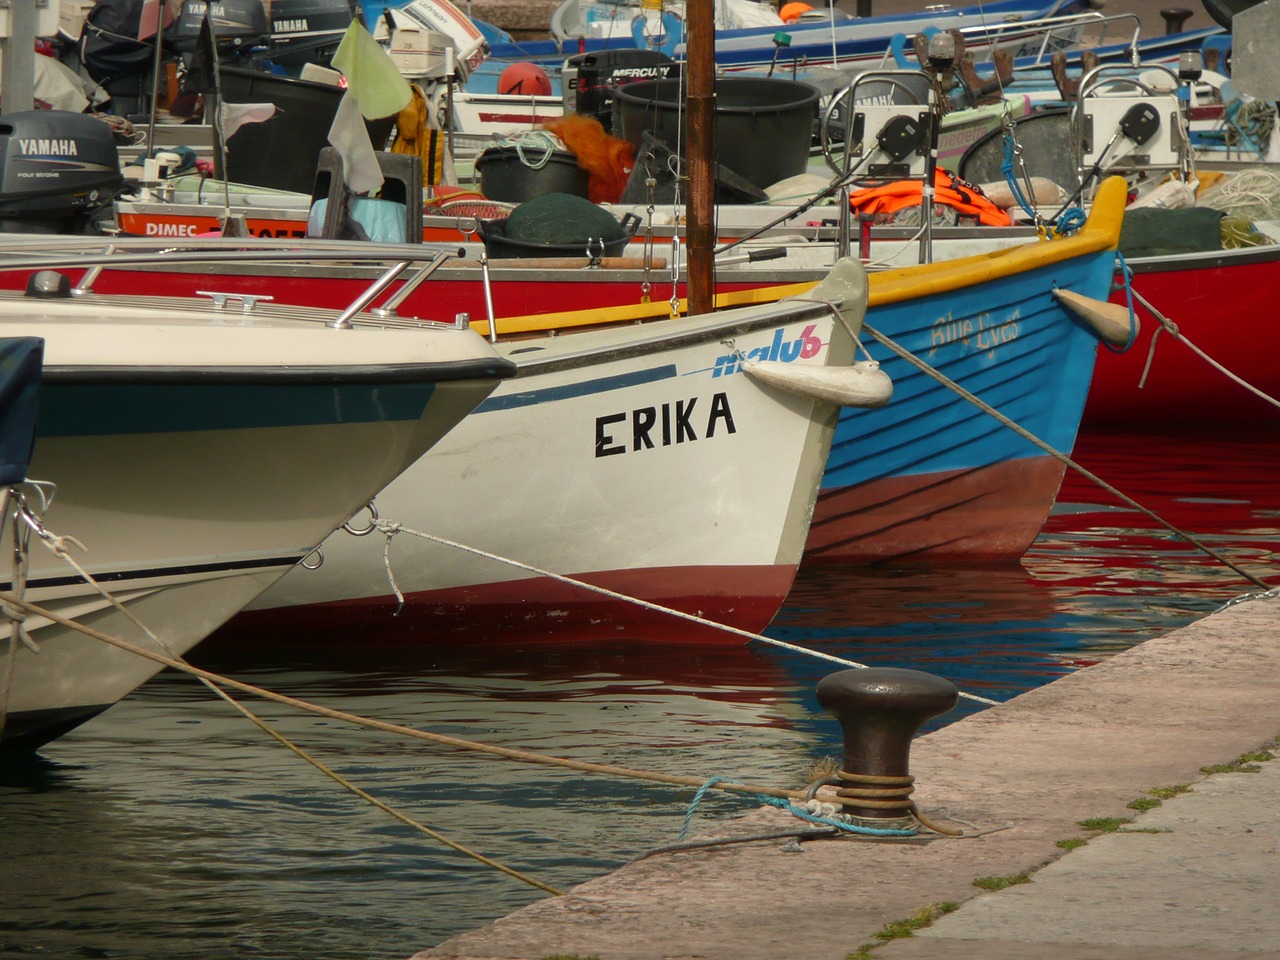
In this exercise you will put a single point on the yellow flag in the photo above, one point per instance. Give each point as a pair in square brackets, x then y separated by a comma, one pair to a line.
[372, 76]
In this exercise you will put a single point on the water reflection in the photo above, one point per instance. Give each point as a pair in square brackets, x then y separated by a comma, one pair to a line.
[169, 827]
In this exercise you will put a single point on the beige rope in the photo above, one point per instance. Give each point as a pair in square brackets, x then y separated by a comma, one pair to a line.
[57, 545]
[1172, 328]
[385, 808]
[390, 528]
[438, 738]
[1061, 457]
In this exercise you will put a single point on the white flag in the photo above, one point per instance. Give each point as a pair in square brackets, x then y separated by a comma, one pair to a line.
[350, 137]
[233, 116]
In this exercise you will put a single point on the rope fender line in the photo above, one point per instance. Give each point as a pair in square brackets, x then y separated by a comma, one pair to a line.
[986, 408]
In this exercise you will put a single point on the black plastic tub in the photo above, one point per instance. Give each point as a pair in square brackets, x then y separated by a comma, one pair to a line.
[764, 125]
[281, 153]
[505, 176]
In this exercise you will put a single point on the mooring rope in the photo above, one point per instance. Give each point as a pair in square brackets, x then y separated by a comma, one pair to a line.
[57, 545]
[510, 753]
[1172, 328]
[369, 798]
[391, 528]
[985, 407]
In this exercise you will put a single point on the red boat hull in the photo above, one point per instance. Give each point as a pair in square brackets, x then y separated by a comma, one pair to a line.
[1222, 303]
[958, 516]
[544, 609]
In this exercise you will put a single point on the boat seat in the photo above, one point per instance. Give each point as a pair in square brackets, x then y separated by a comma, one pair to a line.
[395, 216]
[1068, 86]
[1216, 53]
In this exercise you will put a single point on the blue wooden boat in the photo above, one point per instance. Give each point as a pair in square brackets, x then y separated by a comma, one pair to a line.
[931, 477]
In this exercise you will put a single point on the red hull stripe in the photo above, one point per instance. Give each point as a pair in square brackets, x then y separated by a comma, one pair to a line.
[541, 609]
[987, 513]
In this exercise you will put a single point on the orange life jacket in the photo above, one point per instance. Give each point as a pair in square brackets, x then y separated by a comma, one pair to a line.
[948, 189]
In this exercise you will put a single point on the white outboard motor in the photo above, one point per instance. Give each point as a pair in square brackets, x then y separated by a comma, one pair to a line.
[419, 19]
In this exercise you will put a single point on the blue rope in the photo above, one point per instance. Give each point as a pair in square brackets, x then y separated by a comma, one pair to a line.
[795, 811]
[1128, 296]
[1007, 169]
[697, 799]
[1069, 221]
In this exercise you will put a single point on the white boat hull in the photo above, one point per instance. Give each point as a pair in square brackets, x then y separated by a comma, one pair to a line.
[649, 473]
[194, 480]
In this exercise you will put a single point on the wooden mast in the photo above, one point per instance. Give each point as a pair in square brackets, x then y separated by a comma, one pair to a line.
[700, 80]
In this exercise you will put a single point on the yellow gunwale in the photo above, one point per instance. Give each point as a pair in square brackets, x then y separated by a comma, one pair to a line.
[1100, 232]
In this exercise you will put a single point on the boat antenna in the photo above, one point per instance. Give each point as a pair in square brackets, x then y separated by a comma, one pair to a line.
[157, 39]
[209, 41]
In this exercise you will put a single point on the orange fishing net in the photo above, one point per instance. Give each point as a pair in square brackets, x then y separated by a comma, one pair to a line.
[607, 160]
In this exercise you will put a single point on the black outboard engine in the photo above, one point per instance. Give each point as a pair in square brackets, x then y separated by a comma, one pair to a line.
[57, 170]
[299, 31]
[309, 31]
[235, 24]
[590, 79]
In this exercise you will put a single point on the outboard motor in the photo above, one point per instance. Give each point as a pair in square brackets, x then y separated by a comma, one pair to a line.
[309, 31]
[57, 170]
[236, 24]
[589, 80]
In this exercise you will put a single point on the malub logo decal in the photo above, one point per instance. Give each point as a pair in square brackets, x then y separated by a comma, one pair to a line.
[804, 347]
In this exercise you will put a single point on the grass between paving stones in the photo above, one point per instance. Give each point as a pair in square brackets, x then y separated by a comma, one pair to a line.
[905, 928]
[1002, 883]
[1245, 763]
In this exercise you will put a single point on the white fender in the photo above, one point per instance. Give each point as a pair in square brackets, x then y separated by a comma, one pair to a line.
[1109, 320]
[862, 384]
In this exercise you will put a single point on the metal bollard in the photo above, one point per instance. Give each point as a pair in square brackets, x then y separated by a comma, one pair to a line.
[1174, 18]
[880, 709]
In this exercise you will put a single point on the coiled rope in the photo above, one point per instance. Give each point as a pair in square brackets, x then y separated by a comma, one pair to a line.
[525, 143]
[1069, 221]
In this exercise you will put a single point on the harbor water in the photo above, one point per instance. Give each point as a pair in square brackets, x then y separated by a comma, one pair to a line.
[170, 827]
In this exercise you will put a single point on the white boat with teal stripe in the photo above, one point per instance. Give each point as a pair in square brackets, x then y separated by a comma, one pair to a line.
[199, 449]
